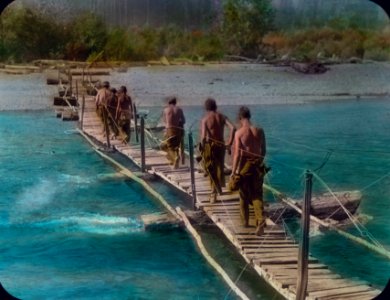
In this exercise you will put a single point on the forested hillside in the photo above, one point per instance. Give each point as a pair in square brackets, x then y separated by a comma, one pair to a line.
[200, 30]
[203, 13]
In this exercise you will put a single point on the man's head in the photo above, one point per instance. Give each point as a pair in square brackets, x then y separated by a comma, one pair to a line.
[210, 104]
[122, 89]
[113, 91]
[106, 84]
[244, 113]
[172, 101]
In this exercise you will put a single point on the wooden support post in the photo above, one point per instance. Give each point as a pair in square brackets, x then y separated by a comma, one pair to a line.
[182, 149]
[143, 166]
[77, 90]
[192, 167]
[70, 81]
[135, 114]
[106, 129]
[82, 113]
[303, 258]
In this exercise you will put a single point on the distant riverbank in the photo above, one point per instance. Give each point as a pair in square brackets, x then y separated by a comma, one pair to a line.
[233, 84]
[229, 83]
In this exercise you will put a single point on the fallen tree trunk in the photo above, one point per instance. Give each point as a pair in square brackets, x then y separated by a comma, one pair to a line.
[309, 68]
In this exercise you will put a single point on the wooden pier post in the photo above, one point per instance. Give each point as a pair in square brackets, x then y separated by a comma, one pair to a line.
[192, 167]
[106, 129]
[77, 90]
[143, 166]
[70, 81]
[135, 114]
[303, 258]
[82, 113]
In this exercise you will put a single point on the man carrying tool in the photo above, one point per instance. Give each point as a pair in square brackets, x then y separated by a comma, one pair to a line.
[124, 113]
[249, 149]
[213, 146]
[174, 120]
[101, 101]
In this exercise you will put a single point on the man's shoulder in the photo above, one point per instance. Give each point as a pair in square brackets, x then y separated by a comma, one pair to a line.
[240, 132]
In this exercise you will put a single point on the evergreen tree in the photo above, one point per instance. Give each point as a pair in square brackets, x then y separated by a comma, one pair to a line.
[245, 22]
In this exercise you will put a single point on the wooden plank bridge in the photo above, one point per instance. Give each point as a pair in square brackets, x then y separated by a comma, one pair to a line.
[273, 255]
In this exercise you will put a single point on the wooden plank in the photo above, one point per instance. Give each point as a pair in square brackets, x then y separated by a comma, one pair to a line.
[269, 247]
[178, 178]
[312, 272]
[353, 296]
[280, 260]
[322, 285]
[261, 239]
[248, 244]
[169, 169]
[312, 266]
[268, 230]
[290, 281]
[341, 291]
[261, 256]
[186, 176]
[262, 250]
[326, 284]
[209, 207]
[250, 233]
[199, 181]
[156, 160]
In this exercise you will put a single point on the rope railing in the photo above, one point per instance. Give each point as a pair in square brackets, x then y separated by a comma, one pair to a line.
[358, 225]
[374, 246]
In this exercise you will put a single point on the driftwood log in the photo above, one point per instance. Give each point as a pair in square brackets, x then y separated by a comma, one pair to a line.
[309, 68]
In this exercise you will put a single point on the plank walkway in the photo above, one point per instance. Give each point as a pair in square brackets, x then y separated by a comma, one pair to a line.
[274, 255]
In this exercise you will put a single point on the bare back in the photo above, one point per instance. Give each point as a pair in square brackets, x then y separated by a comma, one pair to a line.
[173, 117]
[251, 141]
[102, 96]
[213, 125]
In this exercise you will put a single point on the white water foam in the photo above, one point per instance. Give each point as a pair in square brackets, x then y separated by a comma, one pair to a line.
[74, 179]
[36, 197]
[93, 223]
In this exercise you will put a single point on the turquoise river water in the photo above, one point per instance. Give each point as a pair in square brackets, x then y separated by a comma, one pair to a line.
[68, 231]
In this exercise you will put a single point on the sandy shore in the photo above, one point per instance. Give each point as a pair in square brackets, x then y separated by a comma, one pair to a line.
[230, 84]
[254, 84]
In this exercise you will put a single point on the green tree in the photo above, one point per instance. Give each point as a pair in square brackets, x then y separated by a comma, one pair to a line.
[87, 36]
[245, 22]
[118, 46]
[28, 35]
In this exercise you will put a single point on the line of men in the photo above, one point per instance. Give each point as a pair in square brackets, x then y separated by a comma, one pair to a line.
[248, 147]
[115, 109]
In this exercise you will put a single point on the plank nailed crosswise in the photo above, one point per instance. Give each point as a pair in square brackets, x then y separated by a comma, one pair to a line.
[273, 255]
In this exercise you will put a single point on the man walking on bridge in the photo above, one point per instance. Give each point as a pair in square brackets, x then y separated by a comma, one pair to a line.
[213, 146]
[249, 150]
[101, 101]
[174, 120]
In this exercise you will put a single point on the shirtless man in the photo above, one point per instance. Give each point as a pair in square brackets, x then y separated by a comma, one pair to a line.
[213, 146]
[174, 120]
[124, 113]
[101, 101]
[249, 149]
